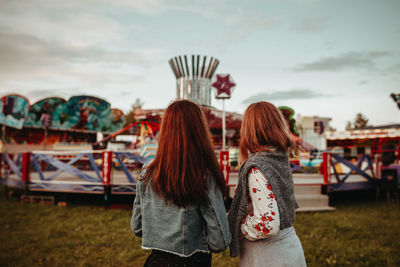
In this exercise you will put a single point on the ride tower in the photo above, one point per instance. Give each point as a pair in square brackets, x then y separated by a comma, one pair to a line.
[193, 80]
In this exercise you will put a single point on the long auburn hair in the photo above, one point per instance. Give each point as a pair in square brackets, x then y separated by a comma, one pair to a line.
[264, 129]
[184, 158]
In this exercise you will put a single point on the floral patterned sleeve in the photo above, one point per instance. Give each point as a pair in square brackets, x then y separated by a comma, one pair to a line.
[262, 219]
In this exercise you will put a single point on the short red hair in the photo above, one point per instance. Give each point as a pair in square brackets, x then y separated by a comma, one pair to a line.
[263, 129]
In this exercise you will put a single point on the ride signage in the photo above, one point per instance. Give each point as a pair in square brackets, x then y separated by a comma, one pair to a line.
[224, 85]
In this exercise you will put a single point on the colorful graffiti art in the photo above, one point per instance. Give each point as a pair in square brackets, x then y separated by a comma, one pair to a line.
[2, 116]
[65, 117]
[83, 113]
[114, 121]
[14, 109]
[41, 113]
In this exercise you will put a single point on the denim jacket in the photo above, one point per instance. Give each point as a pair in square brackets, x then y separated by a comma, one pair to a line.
[180, 230]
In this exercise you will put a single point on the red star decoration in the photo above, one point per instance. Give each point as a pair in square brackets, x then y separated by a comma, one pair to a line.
[223, 85]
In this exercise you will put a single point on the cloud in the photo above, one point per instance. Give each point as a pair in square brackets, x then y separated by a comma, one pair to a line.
[31, 65]
[208, 9]
[310, 25]
[21, 53]
[205, 8]
[286, 95]
[329, 45]
[34, 95]
[395, 68]
[46, 92]
[40, 93]
[244, 25]
[63, 21]
[306, 2]
[247, 28]
[347, 60]
[148, 7]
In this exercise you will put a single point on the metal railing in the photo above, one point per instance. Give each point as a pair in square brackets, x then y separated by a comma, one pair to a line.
[70, 171]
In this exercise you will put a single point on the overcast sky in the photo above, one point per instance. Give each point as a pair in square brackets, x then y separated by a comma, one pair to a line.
[319, 57]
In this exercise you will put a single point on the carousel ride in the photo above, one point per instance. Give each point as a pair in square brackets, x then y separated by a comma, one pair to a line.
[52, 146]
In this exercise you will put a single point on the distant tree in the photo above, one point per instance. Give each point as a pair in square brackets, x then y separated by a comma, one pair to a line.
[130, 117]
[360, 121]
[396, 98]
[138, 104]
[348, 126]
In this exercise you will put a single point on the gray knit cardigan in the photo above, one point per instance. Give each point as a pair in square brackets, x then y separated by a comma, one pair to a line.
[276, 169]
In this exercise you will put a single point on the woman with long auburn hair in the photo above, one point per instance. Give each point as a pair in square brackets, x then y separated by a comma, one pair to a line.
[263, 208]
[179, 207]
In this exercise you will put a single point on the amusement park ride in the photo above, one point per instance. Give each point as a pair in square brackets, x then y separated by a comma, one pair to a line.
[51, 146]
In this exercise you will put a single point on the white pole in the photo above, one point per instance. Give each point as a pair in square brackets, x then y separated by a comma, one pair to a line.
[223, 124]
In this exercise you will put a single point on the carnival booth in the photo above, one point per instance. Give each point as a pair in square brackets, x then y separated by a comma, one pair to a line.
[47, 147]
[374, 148]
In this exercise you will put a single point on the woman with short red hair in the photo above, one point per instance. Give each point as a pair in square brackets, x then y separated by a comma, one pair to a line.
[263, 208]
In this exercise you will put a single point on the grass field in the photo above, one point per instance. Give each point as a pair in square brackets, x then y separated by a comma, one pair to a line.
[361, 232]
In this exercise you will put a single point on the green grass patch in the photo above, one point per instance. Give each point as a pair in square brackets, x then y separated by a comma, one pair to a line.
[358, 233]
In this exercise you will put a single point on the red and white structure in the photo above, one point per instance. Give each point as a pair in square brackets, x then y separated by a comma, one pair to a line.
[193, 77]
[224, 86]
